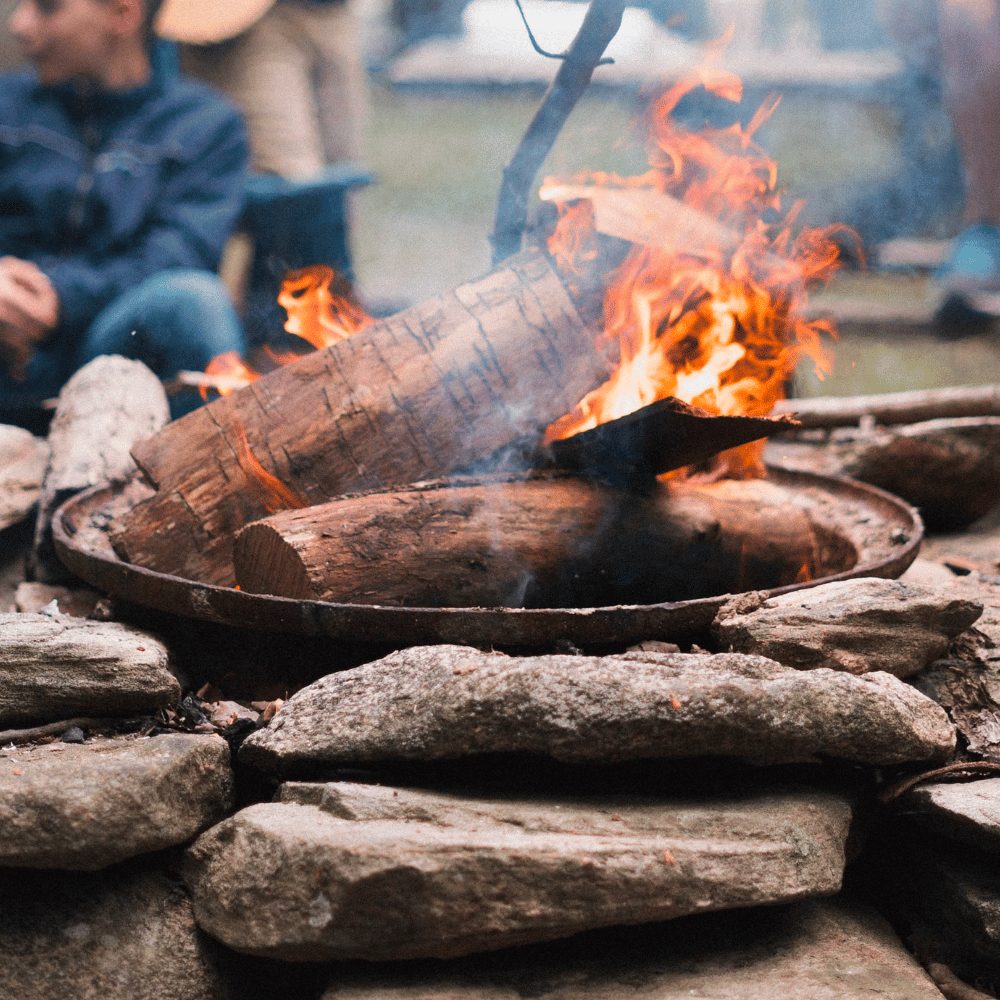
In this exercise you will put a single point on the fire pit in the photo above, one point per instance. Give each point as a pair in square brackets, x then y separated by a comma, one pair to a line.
[858, 530]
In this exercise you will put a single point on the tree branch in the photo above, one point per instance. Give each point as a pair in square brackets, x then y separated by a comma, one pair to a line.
[601, 23]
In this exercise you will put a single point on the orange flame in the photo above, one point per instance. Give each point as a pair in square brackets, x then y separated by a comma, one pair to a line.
[315, 313]
[710, 308]
[269, 490]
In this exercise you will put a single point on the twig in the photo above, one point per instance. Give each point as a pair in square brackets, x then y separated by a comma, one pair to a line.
[601, 23]
[544, 52]
[969, 769]
[951, 986]
[8, 736]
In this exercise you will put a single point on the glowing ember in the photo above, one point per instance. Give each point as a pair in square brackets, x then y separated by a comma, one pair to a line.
[273, 494]
[315, 313]
[708, 306]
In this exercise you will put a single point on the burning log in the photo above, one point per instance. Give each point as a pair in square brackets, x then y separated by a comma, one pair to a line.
[543, 542]
[430, 390]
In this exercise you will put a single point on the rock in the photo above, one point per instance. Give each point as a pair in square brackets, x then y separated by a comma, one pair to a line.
[116, 935]
[75, 602]
[968, 811]
[852, 625]
[58, 667]
[441, 702]
[23, 458]
[354, 871]
[90, 441]
[827, 950]
[950, 894]
[91, 805]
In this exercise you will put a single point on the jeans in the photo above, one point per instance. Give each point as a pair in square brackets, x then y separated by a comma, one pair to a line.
[172, 321]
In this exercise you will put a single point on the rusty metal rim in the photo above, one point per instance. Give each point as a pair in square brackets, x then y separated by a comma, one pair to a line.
[477, 626]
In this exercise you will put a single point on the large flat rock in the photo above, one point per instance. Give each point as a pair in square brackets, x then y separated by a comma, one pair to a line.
[969, 812]
[91, 805]
[354, 871]
[55, 667]
[822, 950]
[440, 702]
[116, 935]
[852, 625]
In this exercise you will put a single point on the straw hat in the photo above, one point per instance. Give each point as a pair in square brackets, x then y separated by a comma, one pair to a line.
[199, 23]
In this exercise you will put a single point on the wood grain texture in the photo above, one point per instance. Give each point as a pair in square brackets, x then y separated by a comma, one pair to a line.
[427, 391]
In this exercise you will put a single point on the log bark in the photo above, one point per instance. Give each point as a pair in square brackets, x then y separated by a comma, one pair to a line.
[895, 407]
[103, 410]
[22, 465]
[531, 543]
[428, 391]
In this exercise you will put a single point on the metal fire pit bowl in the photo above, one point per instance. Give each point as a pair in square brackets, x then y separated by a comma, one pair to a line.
[883, 531]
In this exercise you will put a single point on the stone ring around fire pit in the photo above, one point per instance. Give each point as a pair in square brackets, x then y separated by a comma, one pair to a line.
[859, 531]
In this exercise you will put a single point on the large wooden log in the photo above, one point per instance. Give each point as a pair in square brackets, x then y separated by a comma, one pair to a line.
[530, 543]
[430, 390]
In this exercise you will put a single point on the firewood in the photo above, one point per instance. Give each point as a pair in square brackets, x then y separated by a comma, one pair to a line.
[428, 391]
[529, 543]
[103, 410]
[895, 407]
[22, 465]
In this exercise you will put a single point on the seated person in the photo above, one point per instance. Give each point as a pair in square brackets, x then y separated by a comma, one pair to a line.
[118, 189]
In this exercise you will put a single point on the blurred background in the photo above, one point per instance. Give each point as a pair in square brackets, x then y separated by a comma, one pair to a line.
[861, 135]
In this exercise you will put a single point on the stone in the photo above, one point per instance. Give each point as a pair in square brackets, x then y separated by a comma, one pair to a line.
[445, 702]
[950, 894]
[77, 602]
[124, 934]
[815, 950]
[55, 667]
[345, 871]
[90, 440]
[968, 811]
[23, 458]
[89, 805]
[853, 625]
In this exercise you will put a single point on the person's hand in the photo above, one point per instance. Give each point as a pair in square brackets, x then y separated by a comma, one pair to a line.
[29, 311]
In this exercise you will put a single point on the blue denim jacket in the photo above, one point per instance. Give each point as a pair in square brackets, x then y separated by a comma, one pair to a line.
[106, 189]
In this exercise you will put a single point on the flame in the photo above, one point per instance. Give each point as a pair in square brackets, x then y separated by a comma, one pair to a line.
[709, 308]
[315, 313]
[269, 490]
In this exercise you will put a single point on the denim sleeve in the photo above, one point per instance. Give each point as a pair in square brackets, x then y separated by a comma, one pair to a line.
[188, 226]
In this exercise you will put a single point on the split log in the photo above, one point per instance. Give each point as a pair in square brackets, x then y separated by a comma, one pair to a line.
[530, 543]
[895, 407]
[103, 410]
[22, 466]
[420, 394]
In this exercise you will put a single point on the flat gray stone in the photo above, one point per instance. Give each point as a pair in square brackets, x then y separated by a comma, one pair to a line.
[852, 625]
[57, 667]
[90, 805]
[826, 950]
[115, 935]
[342, 871]
[968, 811]
[440, 702]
